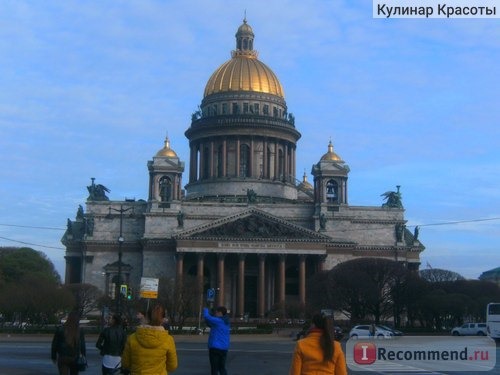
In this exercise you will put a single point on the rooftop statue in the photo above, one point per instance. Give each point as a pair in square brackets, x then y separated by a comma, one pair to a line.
[79, 213]
[393, 199]
[97, 192]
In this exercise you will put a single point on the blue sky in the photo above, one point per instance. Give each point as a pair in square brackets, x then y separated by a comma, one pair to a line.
[90, 89]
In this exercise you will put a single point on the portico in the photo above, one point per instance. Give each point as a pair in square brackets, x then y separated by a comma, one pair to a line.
[254, 274]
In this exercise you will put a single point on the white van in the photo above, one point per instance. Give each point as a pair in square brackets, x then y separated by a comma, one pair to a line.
[470, 329]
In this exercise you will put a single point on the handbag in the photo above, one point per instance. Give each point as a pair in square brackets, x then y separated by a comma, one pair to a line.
[81, 363]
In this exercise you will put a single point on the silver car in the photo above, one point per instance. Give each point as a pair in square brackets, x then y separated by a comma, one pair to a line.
[363, 331]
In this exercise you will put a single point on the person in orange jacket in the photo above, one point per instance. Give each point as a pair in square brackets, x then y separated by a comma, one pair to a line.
[318, 352]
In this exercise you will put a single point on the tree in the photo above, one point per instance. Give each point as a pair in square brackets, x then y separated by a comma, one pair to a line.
[319, 292]
[362, 288]
[181, 300]
[86, 297]
[435, 275]
[18, 262]
[30, 287]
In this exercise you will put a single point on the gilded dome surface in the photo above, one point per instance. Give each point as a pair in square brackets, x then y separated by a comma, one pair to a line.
[166, 151]
[331, 155]
[305, 184]
[244, 72]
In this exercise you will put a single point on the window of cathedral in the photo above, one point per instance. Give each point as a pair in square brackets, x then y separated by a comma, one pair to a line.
[215, 110]
[281, 164]
[206, 163]
[245, 107]
[244, 161]
[219, 160]
[224, 108]
[268, 163]
[235, 109]
[256, 108]
[165, 189]
[275, 112]
[332, 191]
[265, 109]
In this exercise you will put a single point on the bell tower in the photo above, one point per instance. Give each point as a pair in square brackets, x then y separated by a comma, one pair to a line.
[165, 177]
[330, 184]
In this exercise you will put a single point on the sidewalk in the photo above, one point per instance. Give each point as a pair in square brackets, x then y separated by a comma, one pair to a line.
[281, 335]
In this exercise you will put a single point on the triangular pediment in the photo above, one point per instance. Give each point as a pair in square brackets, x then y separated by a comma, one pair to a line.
[252, 224]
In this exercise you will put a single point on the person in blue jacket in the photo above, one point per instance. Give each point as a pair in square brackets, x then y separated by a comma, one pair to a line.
[218, 339]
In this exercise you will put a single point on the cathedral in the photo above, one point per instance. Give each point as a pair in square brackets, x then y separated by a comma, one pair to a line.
[243, 224]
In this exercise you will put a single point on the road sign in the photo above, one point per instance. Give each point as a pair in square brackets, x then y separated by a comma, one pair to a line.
[123, 290]
[211, 295]
[149, 287]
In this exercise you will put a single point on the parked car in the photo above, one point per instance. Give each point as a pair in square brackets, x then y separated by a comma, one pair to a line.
[395, 332]
[470, 329]
[364, 332]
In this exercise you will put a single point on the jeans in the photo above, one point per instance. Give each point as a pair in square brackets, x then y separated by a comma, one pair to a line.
[217, 361]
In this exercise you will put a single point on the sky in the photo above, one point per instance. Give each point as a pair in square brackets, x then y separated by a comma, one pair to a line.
[91, 89]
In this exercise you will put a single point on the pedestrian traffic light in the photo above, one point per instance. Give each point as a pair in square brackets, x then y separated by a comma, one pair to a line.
[123, 290]
[129, 293]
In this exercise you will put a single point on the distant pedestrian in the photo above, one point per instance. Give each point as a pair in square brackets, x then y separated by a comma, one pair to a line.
[318, 352]
[150, 349]
[68, 344]
[166, 324]
[372, 330]
[218, 339]
[111, 343]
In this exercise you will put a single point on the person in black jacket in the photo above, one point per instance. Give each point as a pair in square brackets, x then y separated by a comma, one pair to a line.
[111, 342]
[68, 344]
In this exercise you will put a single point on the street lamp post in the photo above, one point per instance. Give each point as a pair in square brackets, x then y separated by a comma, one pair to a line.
[118, 294]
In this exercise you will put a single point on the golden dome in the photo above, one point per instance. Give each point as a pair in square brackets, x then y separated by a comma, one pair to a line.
[330, 155]
[166, 151]
[305, 184]
[244, 72]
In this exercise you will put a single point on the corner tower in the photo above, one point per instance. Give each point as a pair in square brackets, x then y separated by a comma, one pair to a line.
[165, 177]
[243, 138]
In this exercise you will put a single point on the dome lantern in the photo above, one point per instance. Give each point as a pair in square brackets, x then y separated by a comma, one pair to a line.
[166, 151]
[331, 155]
[244, 40]
[244, 71]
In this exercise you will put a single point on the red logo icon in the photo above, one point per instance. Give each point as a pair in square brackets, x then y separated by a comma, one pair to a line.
[365, 353]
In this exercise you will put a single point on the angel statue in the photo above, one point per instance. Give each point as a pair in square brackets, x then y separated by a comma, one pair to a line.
[97, 192]
[393, 199]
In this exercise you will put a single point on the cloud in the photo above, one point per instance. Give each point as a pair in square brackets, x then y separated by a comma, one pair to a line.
[89, 89]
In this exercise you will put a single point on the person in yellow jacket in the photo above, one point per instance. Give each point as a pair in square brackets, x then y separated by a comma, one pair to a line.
[319, 353]
[150, 349]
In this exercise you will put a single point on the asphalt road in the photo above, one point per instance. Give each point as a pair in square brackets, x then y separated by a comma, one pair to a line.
[249, 355]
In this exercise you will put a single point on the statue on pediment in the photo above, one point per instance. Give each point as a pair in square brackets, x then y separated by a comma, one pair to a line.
[251, 196]
[322, 221]
[393, 199]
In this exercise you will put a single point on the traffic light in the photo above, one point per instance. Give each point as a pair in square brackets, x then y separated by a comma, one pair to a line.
[123, 290]
[129, 293]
